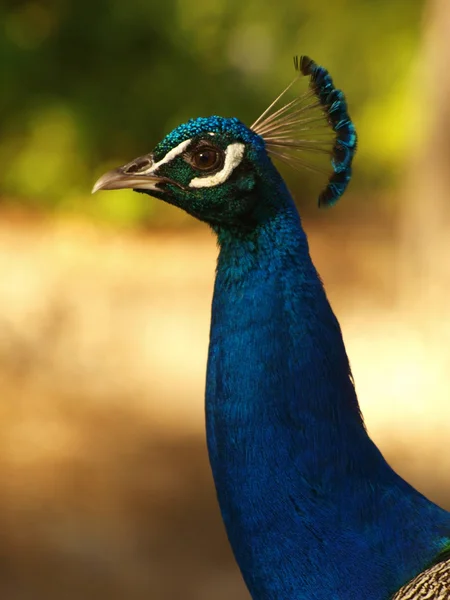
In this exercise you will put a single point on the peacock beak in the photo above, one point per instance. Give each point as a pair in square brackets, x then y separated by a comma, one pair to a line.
[136, 175]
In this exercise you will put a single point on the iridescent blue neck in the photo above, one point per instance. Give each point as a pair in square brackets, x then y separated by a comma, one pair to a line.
[268, 287]
[303, 491]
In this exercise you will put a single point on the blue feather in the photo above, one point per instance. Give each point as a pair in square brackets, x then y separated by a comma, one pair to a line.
[335, 106]
[295, 129]
[311, 508]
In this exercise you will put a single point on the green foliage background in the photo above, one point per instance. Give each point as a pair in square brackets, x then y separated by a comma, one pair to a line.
[89, 85]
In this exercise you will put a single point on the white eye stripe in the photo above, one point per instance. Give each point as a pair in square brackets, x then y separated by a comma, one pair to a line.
[167, 158]
[233, 156]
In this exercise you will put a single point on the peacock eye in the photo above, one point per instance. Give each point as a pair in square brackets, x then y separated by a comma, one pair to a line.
[207, 159]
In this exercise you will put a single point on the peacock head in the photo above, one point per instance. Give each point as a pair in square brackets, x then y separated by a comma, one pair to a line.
[210, 167]
[220, 171]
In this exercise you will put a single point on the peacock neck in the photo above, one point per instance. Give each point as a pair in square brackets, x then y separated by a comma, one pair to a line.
[304, 493]
[271, 312]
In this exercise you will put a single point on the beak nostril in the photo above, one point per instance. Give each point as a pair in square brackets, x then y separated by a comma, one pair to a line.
[137, 166]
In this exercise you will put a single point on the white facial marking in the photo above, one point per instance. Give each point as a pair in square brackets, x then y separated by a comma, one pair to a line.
[233, 156]
[167, 158]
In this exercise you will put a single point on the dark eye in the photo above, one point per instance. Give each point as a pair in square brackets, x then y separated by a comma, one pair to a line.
[207, 159]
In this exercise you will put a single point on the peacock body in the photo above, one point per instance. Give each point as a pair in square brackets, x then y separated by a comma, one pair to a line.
[311, 508]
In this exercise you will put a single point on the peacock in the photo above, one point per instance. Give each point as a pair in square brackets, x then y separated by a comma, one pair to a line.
[311, 508]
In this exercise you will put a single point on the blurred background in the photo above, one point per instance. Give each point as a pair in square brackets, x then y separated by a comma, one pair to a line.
[105, 489]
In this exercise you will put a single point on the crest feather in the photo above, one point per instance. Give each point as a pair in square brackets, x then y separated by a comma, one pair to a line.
[316, 122]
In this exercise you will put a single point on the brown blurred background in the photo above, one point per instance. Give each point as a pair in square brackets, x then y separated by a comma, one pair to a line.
[105, 489]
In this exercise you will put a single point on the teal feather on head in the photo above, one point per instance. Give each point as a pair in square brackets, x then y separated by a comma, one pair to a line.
[288, 130]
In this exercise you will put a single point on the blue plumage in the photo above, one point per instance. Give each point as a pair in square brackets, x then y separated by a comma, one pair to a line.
[312, 509]
[231, 129]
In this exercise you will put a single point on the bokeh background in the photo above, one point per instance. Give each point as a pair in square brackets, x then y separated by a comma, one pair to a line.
[105, 489]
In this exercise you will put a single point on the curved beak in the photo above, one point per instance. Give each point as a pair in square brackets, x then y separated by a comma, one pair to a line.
[136, 175]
